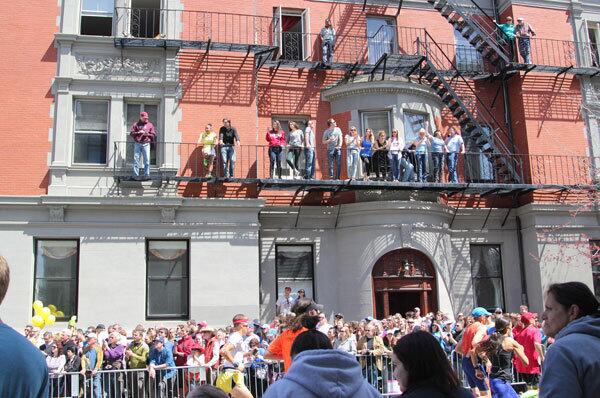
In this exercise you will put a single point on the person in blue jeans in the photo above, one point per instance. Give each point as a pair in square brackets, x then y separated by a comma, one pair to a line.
[421, 154]
[455, 146]
[143, 134]
[438, 147]
[395, 147]
[93, 355]
[228, 140]
[309, 151]
[332, 137]
[162, 369]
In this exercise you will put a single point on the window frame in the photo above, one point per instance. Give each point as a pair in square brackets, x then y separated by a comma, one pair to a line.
[363, 125]
[97, 14]
[405, 111]
[35, 269]
[394, 43]
[594, 245]
[500, 277]
[312, 251]
[75, 131]
[157, 125]
[181, 317]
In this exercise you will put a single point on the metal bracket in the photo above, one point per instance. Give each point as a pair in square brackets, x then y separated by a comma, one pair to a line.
[381, 59]
[564, 70]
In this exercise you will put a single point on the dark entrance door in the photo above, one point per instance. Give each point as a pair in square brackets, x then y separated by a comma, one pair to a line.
[402, 280]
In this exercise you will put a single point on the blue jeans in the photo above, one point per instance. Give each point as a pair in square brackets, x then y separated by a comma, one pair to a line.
[141, 150]
[327, 52]
[452, 162]
[275, 153]
[469, 369]
[309, 161]
[437, 158]
[334, 155]
[421, 167]
[395, 157]
[352, 163]
[524, 44]
[502, 389]
[228, 157]
[407, 170]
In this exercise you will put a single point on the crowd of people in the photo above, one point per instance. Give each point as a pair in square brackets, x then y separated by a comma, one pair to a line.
[320, 359]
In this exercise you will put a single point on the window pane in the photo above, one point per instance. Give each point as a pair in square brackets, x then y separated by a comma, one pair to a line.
[104, 6]
[375, 121]
[168, 297]
[56, 274]
[486, 261]
[295, 269]
[488, 292]
[90, 148]
[91, 116]
[381, 34]
[168, 269]
[413, 122]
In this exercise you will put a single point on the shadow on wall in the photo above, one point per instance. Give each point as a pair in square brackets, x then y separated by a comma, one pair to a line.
[548, 98]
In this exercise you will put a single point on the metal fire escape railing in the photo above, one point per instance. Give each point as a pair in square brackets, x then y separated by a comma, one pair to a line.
[479, 125]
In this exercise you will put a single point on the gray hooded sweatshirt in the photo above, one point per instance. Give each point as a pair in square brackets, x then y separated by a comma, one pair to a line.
[572, 365]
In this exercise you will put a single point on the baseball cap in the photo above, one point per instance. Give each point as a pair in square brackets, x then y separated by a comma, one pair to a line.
[520, 19]
[480, 311]
[101, 326]
[160, 339]
[91, 336]
[143, 114]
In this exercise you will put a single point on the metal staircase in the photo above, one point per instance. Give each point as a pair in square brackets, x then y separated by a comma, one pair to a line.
[475, 25]
[479, 127]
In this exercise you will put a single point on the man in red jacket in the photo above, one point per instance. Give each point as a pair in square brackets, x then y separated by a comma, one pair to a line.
[183, 348]
[143, 134]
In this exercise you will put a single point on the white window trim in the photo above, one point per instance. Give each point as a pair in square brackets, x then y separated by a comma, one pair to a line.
[75, 132]
[363, 126]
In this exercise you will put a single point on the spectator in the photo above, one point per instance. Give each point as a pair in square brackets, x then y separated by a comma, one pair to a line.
[101, 333]
[438, 147]
[34, 336]
[366, 154]
[472, 336]
[23, 370]
[295, 149]
[301, 294]
[323, 326]
[345, 341]
[276, 139]
[352, 153]
[208, 139]
[56, 363]
[228, 140]
[231, 380]
[380, 155]
[46, 348]
[422, 369]
[327, 42]
[371, 347]
[211, 349]
[395, 146]
[332, 137]
[113, 354]
[160, 368]
[572, 317]
[421, 154]
[318, 371]
[196, 373]
[508, 35]
[524, 32]
[136, 356]
[184, 346]
[284, 304]
[92, 363]
[455, 146]
[531, 340]
[143, 134]
[72, 365]
[309, 150]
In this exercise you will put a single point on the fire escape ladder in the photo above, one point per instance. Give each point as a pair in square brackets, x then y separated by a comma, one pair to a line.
[475, 25]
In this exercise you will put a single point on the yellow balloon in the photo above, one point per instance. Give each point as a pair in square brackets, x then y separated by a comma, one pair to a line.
[38, 305]
[50, 320]
[38, 311]
[38, 321]
[59, 314]
[45, 312]
[52, 308]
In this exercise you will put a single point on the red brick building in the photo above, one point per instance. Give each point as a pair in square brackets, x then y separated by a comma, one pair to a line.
[522, 215]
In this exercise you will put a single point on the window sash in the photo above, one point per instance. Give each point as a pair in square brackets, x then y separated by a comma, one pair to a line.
[104, 8]
[303, 276]
[368, 116]
[487, 279]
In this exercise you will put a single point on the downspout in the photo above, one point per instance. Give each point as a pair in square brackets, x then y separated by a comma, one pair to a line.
[524, 298]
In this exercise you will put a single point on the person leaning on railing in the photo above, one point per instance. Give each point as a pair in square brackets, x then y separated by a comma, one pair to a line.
[208, 139]
[276, 139]
[371, 347]
[228, 140]
[136, 357]
[309, 150]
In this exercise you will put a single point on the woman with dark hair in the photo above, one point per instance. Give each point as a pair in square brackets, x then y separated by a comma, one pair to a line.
[422, 369]
[572, 366]
[319, 371]
[498, 351]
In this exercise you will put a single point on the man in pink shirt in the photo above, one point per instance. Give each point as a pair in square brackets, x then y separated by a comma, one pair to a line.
[143, 134]
[531, 340]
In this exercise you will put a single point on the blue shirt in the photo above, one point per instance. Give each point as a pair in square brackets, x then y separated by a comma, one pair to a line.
[421, 146]
[23, 370]
[437, 145]
[165, 356]
[366, 148]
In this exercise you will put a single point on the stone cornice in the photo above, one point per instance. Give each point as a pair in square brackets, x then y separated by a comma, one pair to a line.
[378, 87]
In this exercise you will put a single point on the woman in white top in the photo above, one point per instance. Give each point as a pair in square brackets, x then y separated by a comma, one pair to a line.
[395, 152]
[295, 148]
[352, 148]
[345, 341]
[55, 362]
[309, 150]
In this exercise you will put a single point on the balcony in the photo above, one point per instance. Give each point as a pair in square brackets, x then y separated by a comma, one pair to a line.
[476, 171]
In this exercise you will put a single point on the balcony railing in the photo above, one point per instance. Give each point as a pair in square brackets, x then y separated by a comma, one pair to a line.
[252, 162]
[562, 53]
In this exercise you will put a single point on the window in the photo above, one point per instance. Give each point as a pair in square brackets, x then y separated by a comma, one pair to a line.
[96, 17]
[381, 33]
[146, 17]
[478, 165]
[133, 115]
[291, 29]
[91, 131]
[595, 255]
[413, 122]
[167, 284]
[467, 58]
[285, 126]
[294, 268]
[594, 36]
[377, 120]
[486, 271]
[56, 268]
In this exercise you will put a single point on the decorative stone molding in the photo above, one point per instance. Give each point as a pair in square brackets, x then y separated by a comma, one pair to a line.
[56, 213]
[352, 89]
[118, 66]
[167, 215]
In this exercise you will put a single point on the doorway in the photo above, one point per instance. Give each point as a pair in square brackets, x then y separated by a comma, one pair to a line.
[402, 280]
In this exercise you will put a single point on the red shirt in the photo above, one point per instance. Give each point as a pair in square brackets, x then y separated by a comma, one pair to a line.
[143, 132]
[184, 345]
[276, 138]
[468, 335]
[527, 338]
